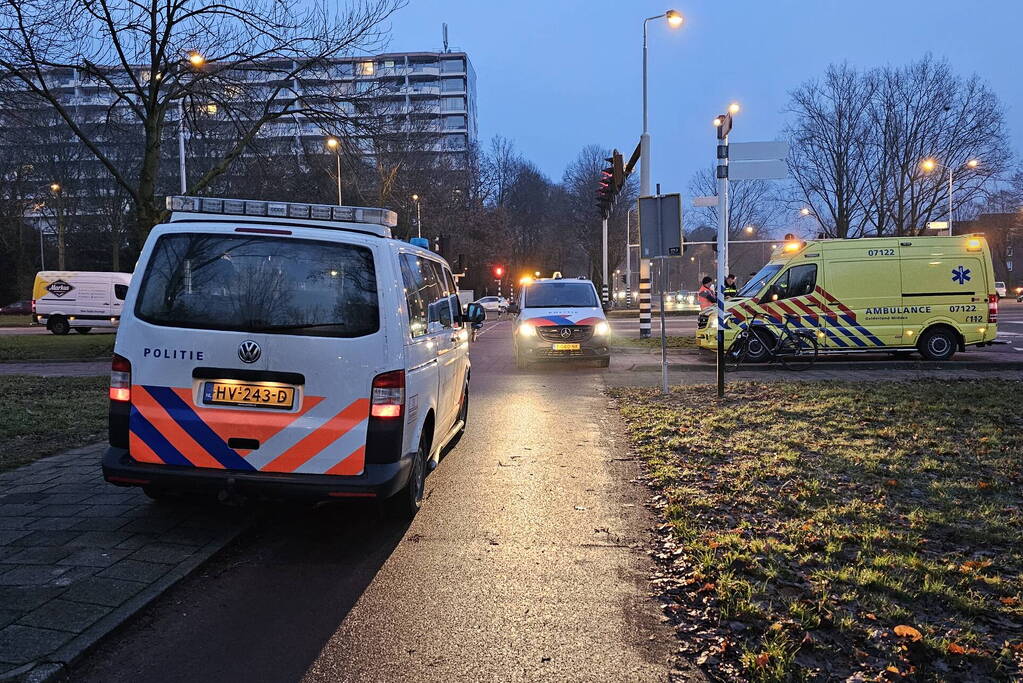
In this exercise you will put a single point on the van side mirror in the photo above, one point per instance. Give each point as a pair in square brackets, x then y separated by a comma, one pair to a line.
[513, 308]
[475, 314]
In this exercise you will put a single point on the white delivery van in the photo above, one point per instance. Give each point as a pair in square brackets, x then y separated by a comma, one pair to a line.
[65, 300]
[275, 349]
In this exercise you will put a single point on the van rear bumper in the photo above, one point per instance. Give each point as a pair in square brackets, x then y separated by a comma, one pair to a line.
[380, 480]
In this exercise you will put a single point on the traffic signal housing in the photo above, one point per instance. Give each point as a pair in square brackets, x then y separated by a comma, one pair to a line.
[498, 272]
[612, 179]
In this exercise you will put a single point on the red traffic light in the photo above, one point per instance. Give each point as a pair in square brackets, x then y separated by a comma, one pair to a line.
[498, 271]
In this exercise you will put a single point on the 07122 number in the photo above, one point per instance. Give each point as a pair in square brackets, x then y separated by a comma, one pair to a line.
[964, 308]
[880, 252]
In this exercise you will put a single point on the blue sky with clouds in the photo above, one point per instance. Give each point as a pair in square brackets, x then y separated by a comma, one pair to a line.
[555, 75]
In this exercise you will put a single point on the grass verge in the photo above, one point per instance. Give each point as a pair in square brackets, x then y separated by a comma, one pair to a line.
[46, 415]
[51, 347]
[654, 342]
[15, 320]
[823, 531]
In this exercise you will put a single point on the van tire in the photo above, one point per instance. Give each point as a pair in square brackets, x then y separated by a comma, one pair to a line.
[407, 502]
[604, 363]
[938, 343]
[58, 324]
[158, 495]
[82, 330]
[520, 361]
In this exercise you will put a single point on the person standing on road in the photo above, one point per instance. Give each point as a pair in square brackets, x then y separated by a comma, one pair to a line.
[705, 297]
[731, 287]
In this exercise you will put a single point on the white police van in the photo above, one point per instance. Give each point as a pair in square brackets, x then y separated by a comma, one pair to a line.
[560, 319]
[275, 349]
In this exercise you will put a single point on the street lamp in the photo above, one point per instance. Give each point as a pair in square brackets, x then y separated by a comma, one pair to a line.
[804, 211]
[750, 229]
[419, 216]
[674, 21]
[931, 164]
[197, 60]
[58, 193]
[334, 145]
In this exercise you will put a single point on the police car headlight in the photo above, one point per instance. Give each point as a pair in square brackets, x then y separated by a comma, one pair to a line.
[602, 328]
[527, 330]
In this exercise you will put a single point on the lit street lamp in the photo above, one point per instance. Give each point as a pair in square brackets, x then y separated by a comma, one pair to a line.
[929, 165]
[419, 216]
[674, 19]
[196, 60]
[58, 193]
[334, 145]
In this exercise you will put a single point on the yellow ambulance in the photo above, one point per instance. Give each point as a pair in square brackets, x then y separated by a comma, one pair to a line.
[934, 295]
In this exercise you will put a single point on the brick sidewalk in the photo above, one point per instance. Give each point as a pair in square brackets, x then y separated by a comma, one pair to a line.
[79, 556]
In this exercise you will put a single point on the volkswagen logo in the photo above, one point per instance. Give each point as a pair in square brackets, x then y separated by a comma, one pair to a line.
[566, 332]
[248, 351]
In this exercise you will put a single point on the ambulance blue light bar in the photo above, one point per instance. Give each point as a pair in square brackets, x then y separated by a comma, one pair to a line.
[265, 209]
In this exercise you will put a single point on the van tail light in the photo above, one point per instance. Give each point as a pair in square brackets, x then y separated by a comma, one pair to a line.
[120, 379]
[33, 306]
[992, 308]
[388, 397]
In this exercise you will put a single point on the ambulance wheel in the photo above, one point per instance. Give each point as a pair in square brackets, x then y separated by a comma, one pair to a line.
[407, 502]
[59, 325]
[937, 343]
[82, 330]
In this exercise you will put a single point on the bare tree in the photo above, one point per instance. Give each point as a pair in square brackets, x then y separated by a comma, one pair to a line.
[828, 148]
[240, 59]
[750, 203]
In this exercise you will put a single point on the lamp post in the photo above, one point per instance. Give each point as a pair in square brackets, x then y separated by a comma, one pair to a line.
[334, 145]
[58, 193]
[197, 60]
[929, 165]
[419, 216]
[675, 20]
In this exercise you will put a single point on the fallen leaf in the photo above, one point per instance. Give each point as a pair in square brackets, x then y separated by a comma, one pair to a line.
[983, 485]
[762, 660]
[956, 649]
[871, 616]
[904, 631]
[1009, 602]
[893, 669]
[892, 482]
[706, 587]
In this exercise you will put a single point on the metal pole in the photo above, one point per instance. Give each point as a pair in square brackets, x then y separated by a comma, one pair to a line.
[644, 191]
[664, 337]
[42, 262]
[628, 259]
[950, 202]
[181, 144]
[604, 244]
[722, 267]
[419, 223]
[338, 154]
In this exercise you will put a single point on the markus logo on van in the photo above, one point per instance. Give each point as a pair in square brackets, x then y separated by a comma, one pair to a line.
[59, 288]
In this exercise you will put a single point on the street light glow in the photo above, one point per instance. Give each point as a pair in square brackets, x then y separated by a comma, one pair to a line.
[973, 163]
[55, 187]
[333, 143]
[415, 198]
[804, 211]
[750, 229]
[718, 121]
[733, 108]
[674, 18]
[196, 59]
[928, 165]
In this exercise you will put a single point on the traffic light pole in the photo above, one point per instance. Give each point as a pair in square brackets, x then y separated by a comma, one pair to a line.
[604, 279]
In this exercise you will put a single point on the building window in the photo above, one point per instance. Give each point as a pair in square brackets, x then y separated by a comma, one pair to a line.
[366, 68]
[452, 85]
[453, 103]
[454, 122]
[388, 63]
[1008, 251]
[453, 66]
[455, 142]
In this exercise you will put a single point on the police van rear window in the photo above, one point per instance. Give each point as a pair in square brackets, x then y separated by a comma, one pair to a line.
[260, 284]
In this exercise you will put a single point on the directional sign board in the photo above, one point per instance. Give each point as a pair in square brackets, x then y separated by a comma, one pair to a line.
[660, 226]
[757, 151]
[757, 161]
[705, 201]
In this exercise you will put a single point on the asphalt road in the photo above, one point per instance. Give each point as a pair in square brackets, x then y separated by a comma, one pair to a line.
[524, 564]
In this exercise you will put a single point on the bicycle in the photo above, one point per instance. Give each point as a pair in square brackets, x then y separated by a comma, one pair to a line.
[797, 349]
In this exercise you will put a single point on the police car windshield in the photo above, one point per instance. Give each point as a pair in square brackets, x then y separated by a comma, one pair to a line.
[561, 295]
[260, 284]
[757, 282]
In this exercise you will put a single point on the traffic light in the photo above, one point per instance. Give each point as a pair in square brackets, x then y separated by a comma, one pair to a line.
[625, 279]
[612, 179]
[498, 272]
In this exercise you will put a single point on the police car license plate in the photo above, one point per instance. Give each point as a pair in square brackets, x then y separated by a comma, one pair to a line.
[566, 347]
[241, 394]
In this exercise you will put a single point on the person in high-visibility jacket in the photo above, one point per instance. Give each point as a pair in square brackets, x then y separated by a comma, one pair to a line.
[731, 287]
[705, 297]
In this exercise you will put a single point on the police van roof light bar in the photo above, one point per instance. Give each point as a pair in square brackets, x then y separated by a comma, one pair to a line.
[249, 207]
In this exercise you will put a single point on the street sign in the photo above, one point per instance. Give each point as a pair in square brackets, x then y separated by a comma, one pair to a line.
[937, 225]
[660, 226]
[758, 170]
[705, 201]
[757, 151]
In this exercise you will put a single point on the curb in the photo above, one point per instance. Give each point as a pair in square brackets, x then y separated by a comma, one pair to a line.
[845, 365]
[37, 361]
[56, 665]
